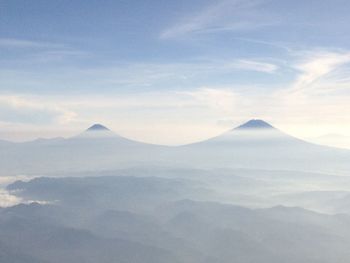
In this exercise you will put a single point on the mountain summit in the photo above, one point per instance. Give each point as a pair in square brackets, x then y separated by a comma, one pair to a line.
[255, 124]
[98, 127]
[97, 131]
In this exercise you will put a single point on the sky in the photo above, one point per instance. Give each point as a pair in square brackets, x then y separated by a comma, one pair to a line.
[173, 72]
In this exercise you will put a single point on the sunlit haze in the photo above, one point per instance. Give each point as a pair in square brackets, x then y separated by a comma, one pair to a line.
[186, 131]
[174, 72]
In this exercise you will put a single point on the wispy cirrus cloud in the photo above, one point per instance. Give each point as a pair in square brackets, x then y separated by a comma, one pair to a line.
[25, 44]
[24, 53]
[226, 15]
[254, 65]
[189, 74]
[222, 100]
[310, 104]
[318, 65]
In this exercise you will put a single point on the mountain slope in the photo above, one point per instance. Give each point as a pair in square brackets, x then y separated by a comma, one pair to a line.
[257, 144]
[97, 148]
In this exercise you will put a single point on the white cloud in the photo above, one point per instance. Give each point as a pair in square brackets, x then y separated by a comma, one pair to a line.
[225, 15]
[252, 65]
[336, 140]
[125, 76]
[222, 100]
[177, 101]
[177, 117]
[18, 109]
[147, 116]
[316, 102]
[6, 199]
[318, 66]
[23, 43]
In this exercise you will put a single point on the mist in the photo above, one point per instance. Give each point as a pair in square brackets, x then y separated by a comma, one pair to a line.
[174, 131]
[252, 194]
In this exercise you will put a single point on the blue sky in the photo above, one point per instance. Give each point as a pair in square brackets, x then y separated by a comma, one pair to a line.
[173, 71]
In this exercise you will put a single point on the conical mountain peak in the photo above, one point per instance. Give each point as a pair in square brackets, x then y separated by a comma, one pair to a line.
[255, 124]
[98, 127]
[97, 131]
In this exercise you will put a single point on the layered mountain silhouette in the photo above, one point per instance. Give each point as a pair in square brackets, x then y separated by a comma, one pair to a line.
[92, 210]
[113, 218]
[254, 144]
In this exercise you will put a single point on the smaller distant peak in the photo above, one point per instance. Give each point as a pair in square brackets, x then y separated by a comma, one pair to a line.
[97, 127]
[255, 124]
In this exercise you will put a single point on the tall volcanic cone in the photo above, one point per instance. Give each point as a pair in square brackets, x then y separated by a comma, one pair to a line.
[97, 127]
[255, 124]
